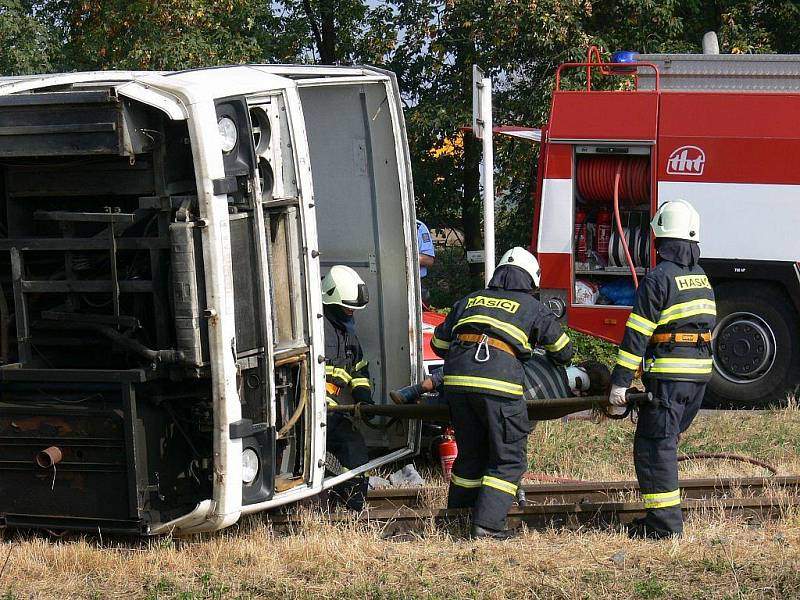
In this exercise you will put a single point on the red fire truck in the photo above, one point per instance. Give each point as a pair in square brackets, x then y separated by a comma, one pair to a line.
[720, 131]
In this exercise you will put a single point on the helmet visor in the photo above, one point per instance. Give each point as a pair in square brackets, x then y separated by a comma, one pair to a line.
[362, 298]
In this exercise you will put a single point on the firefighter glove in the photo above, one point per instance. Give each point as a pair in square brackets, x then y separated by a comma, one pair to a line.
[617, 395]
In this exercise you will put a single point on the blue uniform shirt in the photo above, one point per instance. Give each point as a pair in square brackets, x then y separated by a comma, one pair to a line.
[425, 244]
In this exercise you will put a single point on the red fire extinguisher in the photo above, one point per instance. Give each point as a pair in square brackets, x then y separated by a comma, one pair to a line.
[603, 233]
[448, 450]
[580, 236]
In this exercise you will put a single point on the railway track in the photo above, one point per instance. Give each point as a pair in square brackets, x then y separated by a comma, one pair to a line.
[600, 491]
[575, 504]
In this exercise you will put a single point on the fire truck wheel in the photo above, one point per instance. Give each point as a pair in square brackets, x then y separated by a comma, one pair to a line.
[756, 346]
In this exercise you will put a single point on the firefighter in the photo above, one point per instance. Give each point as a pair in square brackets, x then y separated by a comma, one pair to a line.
[346, 377]
[483, 340]
[669, 333]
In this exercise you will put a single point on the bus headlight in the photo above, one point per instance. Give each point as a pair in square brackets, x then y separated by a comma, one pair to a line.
[250, 466]
[227, 133]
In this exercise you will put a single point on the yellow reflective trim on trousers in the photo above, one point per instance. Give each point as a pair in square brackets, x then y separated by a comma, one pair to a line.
[662, 499]
[499, 484]
[687, 309]
[359, 382]
[508, 328]
[628, 360]
[441, 344]
[361, 365]
[694, 366]
[485, 383]
[558, 344]
[464, 482]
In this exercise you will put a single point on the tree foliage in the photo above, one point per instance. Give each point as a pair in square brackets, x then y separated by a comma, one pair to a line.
[25, 42]
[431, 46]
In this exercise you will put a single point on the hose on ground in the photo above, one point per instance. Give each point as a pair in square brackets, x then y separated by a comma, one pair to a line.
[681, 458]
[728, 456]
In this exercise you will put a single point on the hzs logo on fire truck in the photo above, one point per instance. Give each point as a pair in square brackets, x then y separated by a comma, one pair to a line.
[686, 160]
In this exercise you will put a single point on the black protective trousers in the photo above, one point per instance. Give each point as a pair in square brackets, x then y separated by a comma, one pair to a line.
[655, 449]
[492, 437]
[348, 446]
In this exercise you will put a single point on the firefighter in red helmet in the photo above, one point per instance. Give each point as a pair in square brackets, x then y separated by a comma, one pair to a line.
[669, 335]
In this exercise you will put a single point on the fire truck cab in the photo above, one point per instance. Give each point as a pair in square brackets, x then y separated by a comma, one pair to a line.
[162, 241]
[718, 131]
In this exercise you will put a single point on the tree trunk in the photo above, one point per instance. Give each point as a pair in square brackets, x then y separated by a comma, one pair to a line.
[471, 200]
[327, 50]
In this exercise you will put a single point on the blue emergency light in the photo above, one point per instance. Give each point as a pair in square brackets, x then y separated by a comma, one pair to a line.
[623, 58]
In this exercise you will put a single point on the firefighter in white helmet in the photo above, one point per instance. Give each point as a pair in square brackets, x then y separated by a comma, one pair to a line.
[346, 376]
[483, 341]
[668, 335]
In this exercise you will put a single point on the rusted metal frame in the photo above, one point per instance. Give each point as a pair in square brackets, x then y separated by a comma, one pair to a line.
[68, 216]
[78, 244]
[76, 375]
[86, 286]
[112, 257]
[160, 293]
[21, 307]
[135, 464]
[121, 526]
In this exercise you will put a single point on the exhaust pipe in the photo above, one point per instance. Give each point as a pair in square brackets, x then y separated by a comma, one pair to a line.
[49, 457]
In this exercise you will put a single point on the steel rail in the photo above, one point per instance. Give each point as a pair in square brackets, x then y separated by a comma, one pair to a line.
[592, 491]
[570, 515]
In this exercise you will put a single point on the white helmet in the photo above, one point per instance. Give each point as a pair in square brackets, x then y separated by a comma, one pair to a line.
[343, 286]
[676, 219]
[519, 257]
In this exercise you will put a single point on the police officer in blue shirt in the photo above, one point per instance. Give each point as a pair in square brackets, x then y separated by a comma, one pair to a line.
[426, 256]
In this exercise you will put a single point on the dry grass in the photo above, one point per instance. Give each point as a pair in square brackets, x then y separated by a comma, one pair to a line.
[718, 557]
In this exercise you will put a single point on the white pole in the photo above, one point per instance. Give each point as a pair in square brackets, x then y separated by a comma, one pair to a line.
[488, 179]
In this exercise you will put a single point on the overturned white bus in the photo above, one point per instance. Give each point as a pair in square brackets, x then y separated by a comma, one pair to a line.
[162, 239]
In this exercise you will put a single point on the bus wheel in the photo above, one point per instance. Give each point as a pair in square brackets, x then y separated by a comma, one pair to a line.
[756, 346]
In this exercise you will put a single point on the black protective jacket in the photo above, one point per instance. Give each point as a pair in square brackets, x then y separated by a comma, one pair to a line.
[510, 315]
[346, 371]
[675, 297]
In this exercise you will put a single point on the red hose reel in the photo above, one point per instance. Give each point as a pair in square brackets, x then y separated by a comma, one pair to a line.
[595, 178]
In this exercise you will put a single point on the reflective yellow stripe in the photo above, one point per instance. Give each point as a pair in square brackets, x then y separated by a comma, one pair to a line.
[496, 385]
[558, 344]
[359, 382]
[662, 499]
[331, 401]
[441, 344]
[640, 324]
[698, 366]
[338, 372]
[361, 365]
[499, 484]
[464, 482]
[688, 309]
[628, 360]
[512, 330]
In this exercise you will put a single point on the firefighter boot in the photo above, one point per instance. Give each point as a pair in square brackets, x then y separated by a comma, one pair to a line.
[641, 529]
[482, 532]
[407, 395]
